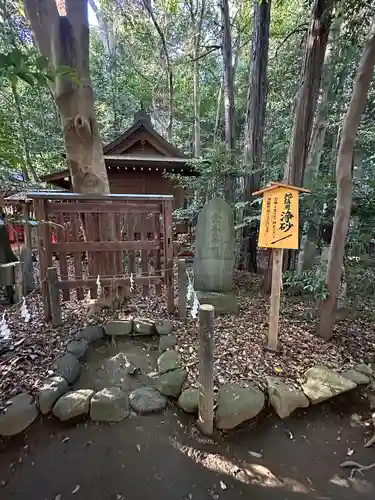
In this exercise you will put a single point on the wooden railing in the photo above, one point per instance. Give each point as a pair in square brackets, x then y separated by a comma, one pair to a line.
[123, 239]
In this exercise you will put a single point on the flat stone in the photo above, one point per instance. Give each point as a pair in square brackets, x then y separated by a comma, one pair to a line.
[224, 303]
[51, 391]
[109, 405]
[73, 404]
[170, 383]
[18, 415]
[236, 404]
[169, 360]
[323, 383]
[147, 400]
[167, 342]
[164, 327]
[356, 377]
[363, 368]
[283, 398]
[188, 401]
[68, 367]
[91, 333]
[121, 327]
[78, 348]
[143, 326]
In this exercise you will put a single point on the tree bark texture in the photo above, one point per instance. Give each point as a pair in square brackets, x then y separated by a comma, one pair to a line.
[64, 40]
[345, 182]
[316, 44]
[228, 92]
[257, 91]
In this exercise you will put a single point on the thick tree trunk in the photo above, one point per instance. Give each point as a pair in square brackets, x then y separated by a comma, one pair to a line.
[64, 40]
[316, 44]
[345, 183]
[257, 90]
[228, 91]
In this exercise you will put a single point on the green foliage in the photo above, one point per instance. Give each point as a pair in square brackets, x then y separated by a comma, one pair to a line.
[305, 283]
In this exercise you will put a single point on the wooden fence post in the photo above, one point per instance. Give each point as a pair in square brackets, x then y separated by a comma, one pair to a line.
[182, 282]
[54, 295]
[206, 370]
[277, 270]
[18, 281]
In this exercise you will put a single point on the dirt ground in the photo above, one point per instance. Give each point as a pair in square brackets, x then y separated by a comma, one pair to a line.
[163, 457]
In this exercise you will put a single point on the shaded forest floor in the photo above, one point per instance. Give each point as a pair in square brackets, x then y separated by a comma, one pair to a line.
[162, 456]
[25, 359]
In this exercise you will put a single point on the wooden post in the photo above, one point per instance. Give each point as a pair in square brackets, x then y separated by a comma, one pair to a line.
[44, 253]
[18, 281]
[27, 227]
[54, 294]
[168, 253]
[206, 370]
[277, 268]
[182, 282]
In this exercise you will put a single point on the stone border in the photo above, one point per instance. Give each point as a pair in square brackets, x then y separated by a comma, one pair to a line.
[236, 402]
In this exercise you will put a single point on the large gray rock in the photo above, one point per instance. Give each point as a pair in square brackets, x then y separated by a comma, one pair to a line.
[73, 404]
[121, 327]
[18, 415]
[323, 383]
[91, 333]
[170, 383]
[78, 348]
[224, 303]
[363, 368]
[236, 404]
[167, 342]
[68, 367]
[214, 248]
[188, 401]
[356, 377]
[143, 326]
[169, 360]
[109, 405]
[283, 398]
[164, 327]
[51, 391]
[147, 400]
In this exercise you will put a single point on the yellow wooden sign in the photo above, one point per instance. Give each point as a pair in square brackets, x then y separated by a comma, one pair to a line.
[279, 222]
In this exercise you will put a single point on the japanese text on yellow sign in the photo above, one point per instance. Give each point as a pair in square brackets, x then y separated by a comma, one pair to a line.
[279, 219]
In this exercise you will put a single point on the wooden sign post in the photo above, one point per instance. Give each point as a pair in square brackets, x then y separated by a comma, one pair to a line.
[278, 230]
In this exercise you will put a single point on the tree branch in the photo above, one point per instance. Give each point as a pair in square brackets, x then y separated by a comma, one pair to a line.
[299, 29]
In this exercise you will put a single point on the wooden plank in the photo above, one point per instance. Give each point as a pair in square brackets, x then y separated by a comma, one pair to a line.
[77, 257]
[144, 256]
[88, 283]
[119, 261]
[102, 208]
[277, 267]
[18, 281]
[92, 264]
[136, 198]
[54, 293]
[157, 252]
[206, 370]
[130, 230]
[182, 289]
[104, 246]
[168, 254]
[27, 227]
[61, 236]
[43, 258]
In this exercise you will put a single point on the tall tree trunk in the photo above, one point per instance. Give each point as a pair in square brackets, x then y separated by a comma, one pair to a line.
[228, 90]
[345, 182]
[257, 91]
[64, 40]
[218, 112]
[316, 44]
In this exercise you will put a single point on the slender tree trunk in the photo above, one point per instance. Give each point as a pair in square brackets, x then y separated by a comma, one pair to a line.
[316, 44]
[64, 40]
[228, 90]
[218, 112]
[27, 167]
[345, 183]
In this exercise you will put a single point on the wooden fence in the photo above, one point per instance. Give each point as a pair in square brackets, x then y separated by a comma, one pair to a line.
[120, 238]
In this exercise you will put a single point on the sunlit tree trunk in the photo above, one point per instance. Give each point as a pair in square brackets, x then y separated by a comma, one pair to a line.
[345, 183]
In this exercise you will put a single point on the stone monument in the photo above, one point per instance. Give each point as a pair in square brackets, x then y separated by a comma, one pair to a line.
[214, 257]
